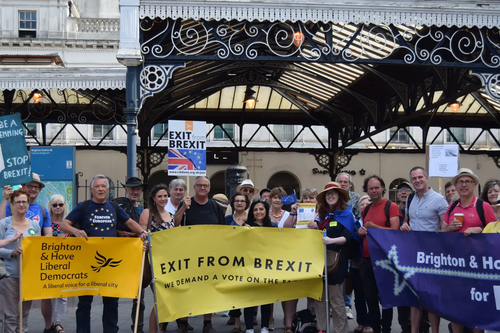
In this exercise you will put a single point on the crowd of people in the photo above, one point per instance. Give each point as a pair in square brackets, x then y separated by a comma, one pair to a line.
[344, 215]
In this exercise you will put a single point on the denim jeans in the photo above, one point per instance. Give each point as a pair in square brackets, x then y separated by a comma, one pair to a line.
[359, 298]
[109, 314]
[372, 299]
[265, 311]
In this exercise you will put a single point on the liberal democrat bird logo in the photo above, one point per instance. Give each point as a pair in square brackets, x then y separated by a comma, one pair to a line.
[104, 262]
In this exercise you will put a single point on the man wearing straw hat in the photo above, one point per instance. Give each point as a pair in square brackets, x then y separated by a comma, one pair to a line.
[248, 189]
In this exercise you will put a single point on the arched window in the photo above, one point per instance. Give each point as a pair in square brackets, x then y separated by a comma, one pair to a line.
[159, 177]
[393, 189]
[218, 184]
[287, 180]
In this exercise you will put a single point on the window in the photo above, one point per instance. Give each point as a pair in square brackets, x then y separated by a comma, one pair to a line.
[30, 132]
[158, 131]
[98, 132]
[458, 132]
[283, 132]
[27, 24]
[400, 137]
[219, 134]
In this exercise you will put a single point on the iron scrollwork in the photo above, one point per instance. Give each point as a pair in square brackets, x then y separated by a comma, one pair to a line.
[164, 39]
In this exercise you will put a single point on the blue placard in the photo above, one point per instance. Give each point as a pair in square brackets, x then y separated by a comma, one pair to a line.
[450, 275]
[53, 163]
[15, 167]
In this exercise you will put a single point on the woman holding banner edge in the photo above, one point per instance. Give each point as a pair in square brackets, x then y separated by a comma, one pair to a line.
[336, 218]
[10, 227]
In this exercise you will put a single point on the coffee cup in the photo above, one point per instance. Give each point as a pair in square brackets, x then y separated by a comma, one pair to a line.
[459, 217]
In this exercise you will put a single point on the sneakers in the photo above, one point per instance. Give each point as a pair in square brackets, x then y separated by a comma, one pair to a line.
[271, 325]
[264, 330]
[249, 331]
[349, 313]
[224, 314]
[208, 328]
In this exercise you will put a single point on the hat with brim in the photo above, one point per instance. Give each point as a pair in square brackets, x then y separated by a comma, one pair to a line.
[333, 186]
[135, 182]
[36, 179]
[249, 184]
[464, 172]
[221, 200]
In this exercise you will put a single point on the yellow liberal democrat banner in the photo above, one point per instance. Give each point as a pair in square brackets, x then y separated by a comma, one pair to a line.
[62, 267]
[205, 269]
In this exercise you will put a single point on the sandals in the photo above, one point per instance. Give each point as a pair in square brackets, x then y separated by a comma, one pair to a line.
[288, 330]
[367, 329]
[57, 328]
[359, 329]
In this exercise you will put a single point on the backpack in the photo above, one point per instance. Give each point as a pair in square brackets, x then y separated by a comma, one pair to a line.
[387, 209]
[479, 209]
[127, 206]
[304, 322]
[408, 203]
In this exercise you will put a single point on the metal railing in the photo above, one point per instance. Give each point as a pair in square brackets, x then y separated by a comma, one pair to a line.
[98, 25]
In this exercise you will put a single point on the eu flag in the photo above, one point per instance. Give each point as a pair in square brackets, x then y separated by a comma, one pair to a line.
[289, 199]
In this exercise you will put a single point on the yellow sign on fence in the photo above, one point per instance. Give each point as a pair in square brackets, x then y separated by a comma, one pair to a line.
[62, 267]
[205, 269]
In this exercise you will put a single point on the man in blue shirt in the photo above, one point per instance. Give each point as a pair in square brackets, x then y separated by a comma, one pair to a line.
[34, 212]
[99, 219]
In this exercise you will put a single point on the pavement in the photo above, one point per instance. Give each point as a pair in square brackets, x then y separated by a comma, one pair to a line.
[36, 322]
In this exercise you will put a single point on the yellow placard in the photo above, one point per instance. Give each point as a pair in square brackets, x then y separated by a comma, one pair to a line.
[63, 267]
[206, 269]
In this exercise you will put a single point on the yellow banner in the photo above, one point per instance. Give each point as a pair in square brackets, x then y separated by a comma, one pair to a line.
[205, 269]
[63, 267]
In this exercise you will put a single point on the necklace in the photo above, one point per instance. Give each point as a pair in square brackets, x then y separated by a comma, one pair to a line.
[278, 217]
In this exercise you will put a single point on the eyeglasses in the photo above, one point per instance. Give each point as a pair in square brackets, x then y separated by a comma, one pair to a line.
[202, 185]
[401, 190]
[259, 200]
[58, 205]
[239, 201]
[466, 182]
[19, 203]
[33, 187]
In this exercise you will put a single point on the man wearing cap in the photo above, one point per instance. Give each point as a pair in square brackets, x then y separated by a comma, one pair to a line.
[247, 188]
[36, 212]
[424, 212]
[199, 210]
[474, 218]
[134, 187]
[265, 194]
[404, 190]
[344, 179]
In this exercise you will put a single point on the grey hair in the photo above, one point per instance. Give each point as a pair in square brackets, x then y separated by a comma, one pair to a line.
[99, 176]
[196, 180]
[345, 174]
[56, 198]
[419, 168]
[176, 182]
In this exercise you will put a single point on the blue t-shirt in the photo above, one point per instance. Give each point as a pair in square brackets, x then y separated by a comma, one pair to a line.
[139, 209]
[35, 214]
[99, 220]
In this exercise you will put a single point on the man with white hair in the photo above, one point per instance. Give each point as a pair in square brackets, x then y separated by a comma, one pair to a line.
[345, 181]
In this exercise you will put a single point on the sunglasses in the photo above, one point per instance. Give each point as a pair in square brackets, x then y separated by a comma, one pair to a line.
[58, 205]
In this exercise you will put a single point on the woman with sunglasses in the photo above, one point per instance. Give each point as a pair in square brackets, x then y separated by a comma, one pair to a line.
[53, 309]
[9, 287]
[258, 216]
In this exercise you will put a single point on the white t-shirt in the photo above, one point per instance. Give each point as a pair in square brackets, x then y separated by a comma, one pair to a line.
[281, 222]
[170, 208]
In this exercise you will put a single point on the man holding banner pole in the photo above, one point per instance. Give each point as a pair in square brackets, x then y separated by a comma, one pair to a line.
[425, 209]
[98, 218]
[196, 211]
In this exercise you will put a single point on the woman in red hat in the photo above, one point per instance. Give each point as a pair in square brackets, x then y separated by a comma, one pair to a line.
[335, 217]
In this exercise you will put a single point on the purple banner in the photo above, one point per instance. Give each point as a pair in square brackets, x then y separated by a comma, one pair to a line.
[453, 276]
